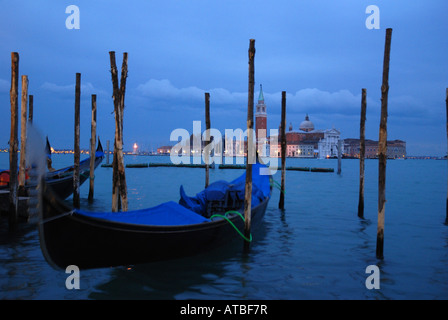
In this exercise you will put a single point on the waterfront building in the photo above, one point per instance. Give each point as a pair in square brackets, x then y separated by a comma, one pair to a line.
[328, 145]
[260, 123]
[306, 125]
[307, 142]
[164, 150]
[396, 149]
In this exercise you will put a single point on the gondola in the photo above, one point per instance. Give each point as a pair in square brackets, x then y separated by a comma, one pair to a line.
[170, 230]
[61, 180]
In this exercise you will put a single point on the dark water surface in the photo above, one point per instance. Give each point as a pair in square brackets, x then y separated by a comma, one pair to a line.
[316, 249]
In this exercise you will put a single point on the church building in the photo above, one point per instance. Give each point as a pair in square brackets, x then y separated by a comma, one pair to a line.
[307, 142]
[261, 124]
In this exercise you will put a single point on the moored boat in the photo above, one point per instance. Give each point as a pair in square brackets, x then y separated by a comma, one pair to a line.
[170, 230]
[60, 180]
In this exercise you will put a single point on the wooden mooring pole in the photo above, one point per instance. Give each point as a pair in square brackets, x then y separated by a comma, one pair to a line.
[31, 107]
[108, 151]
[92, 148]
[23, 120]
[13, 142]
[77, 152]
[362, 153]
[250, 147]
[207, 138]
[382, 148]
[121, 172]
[119, 189]
[281, 203]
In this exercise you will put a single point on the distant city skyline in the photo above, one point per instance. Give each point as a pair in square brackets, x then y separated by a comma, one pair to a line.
[322, 53]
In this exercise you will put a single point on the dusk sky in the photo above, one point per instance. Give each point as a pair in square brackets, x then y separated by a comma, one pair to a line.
[319, 51]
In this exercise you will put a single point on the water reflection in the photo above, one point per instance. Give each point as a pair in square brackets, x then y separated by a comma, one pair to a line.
[205, 276]
[20, 264]
[316, 249]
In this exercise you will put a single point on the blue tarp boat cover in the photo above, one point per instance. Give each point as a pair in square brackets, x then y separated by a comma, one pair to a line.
[166, 214]
[190, 209]
[217, 190]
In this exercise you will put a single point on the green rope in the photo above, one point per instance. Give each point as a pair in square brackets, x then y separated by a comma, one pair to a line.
[279, 186]
[231, 223]
[87, 175]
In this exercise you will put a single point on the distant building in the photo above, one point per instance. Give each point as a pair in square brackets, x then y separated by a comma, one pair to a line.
[260, 122]
[328, 146]
[396, 149]
[164, 150]
[307, 142]
[306, 125]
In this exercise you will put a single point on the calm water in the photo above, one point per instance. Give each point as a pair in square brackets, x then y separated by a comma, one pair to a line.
[316, 249]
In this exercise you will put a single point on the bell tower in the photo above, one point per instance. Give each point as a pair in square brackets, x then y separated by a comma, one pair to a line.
[260, 121]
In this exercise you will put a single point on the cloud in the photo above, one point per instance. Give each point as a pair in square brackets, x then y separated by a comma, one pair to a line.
[223, 96]
[305, 98]
[310, 100]
[165, 90]
[313, 101]
[410, 107]
[66, 90]
[5, 86]
[316, 101]
[316, 98]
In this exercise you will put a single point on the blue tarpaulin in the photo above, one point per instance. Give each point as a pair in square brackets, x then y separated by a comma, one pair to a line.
[217, 191]
[191, 209]
[166, 214]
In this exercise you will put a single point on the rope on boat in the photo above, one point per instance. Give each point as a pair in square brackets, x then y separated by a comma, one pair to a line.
[279, 186]
[57, 217]
[224, 216]
[87, 175]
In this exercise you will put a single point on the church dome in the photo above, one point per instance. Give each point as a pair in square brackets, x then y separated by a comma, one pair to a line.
[306, 125]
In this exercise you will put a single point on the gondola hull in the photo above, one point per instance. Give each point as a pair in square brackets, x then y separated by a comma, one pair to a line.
[69, 238]
[61, 180]
[63, 186]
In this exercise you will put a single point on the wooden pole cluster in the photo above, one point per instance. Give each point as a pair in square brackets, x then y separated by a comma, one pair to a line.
[250, 126]
[92, 148]
[77, 152]
[17, 172]
[23, 119]
[382, 147]
[281, 203]
[362, 153]
[13, 142]
[207, 138]
[119, 189]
